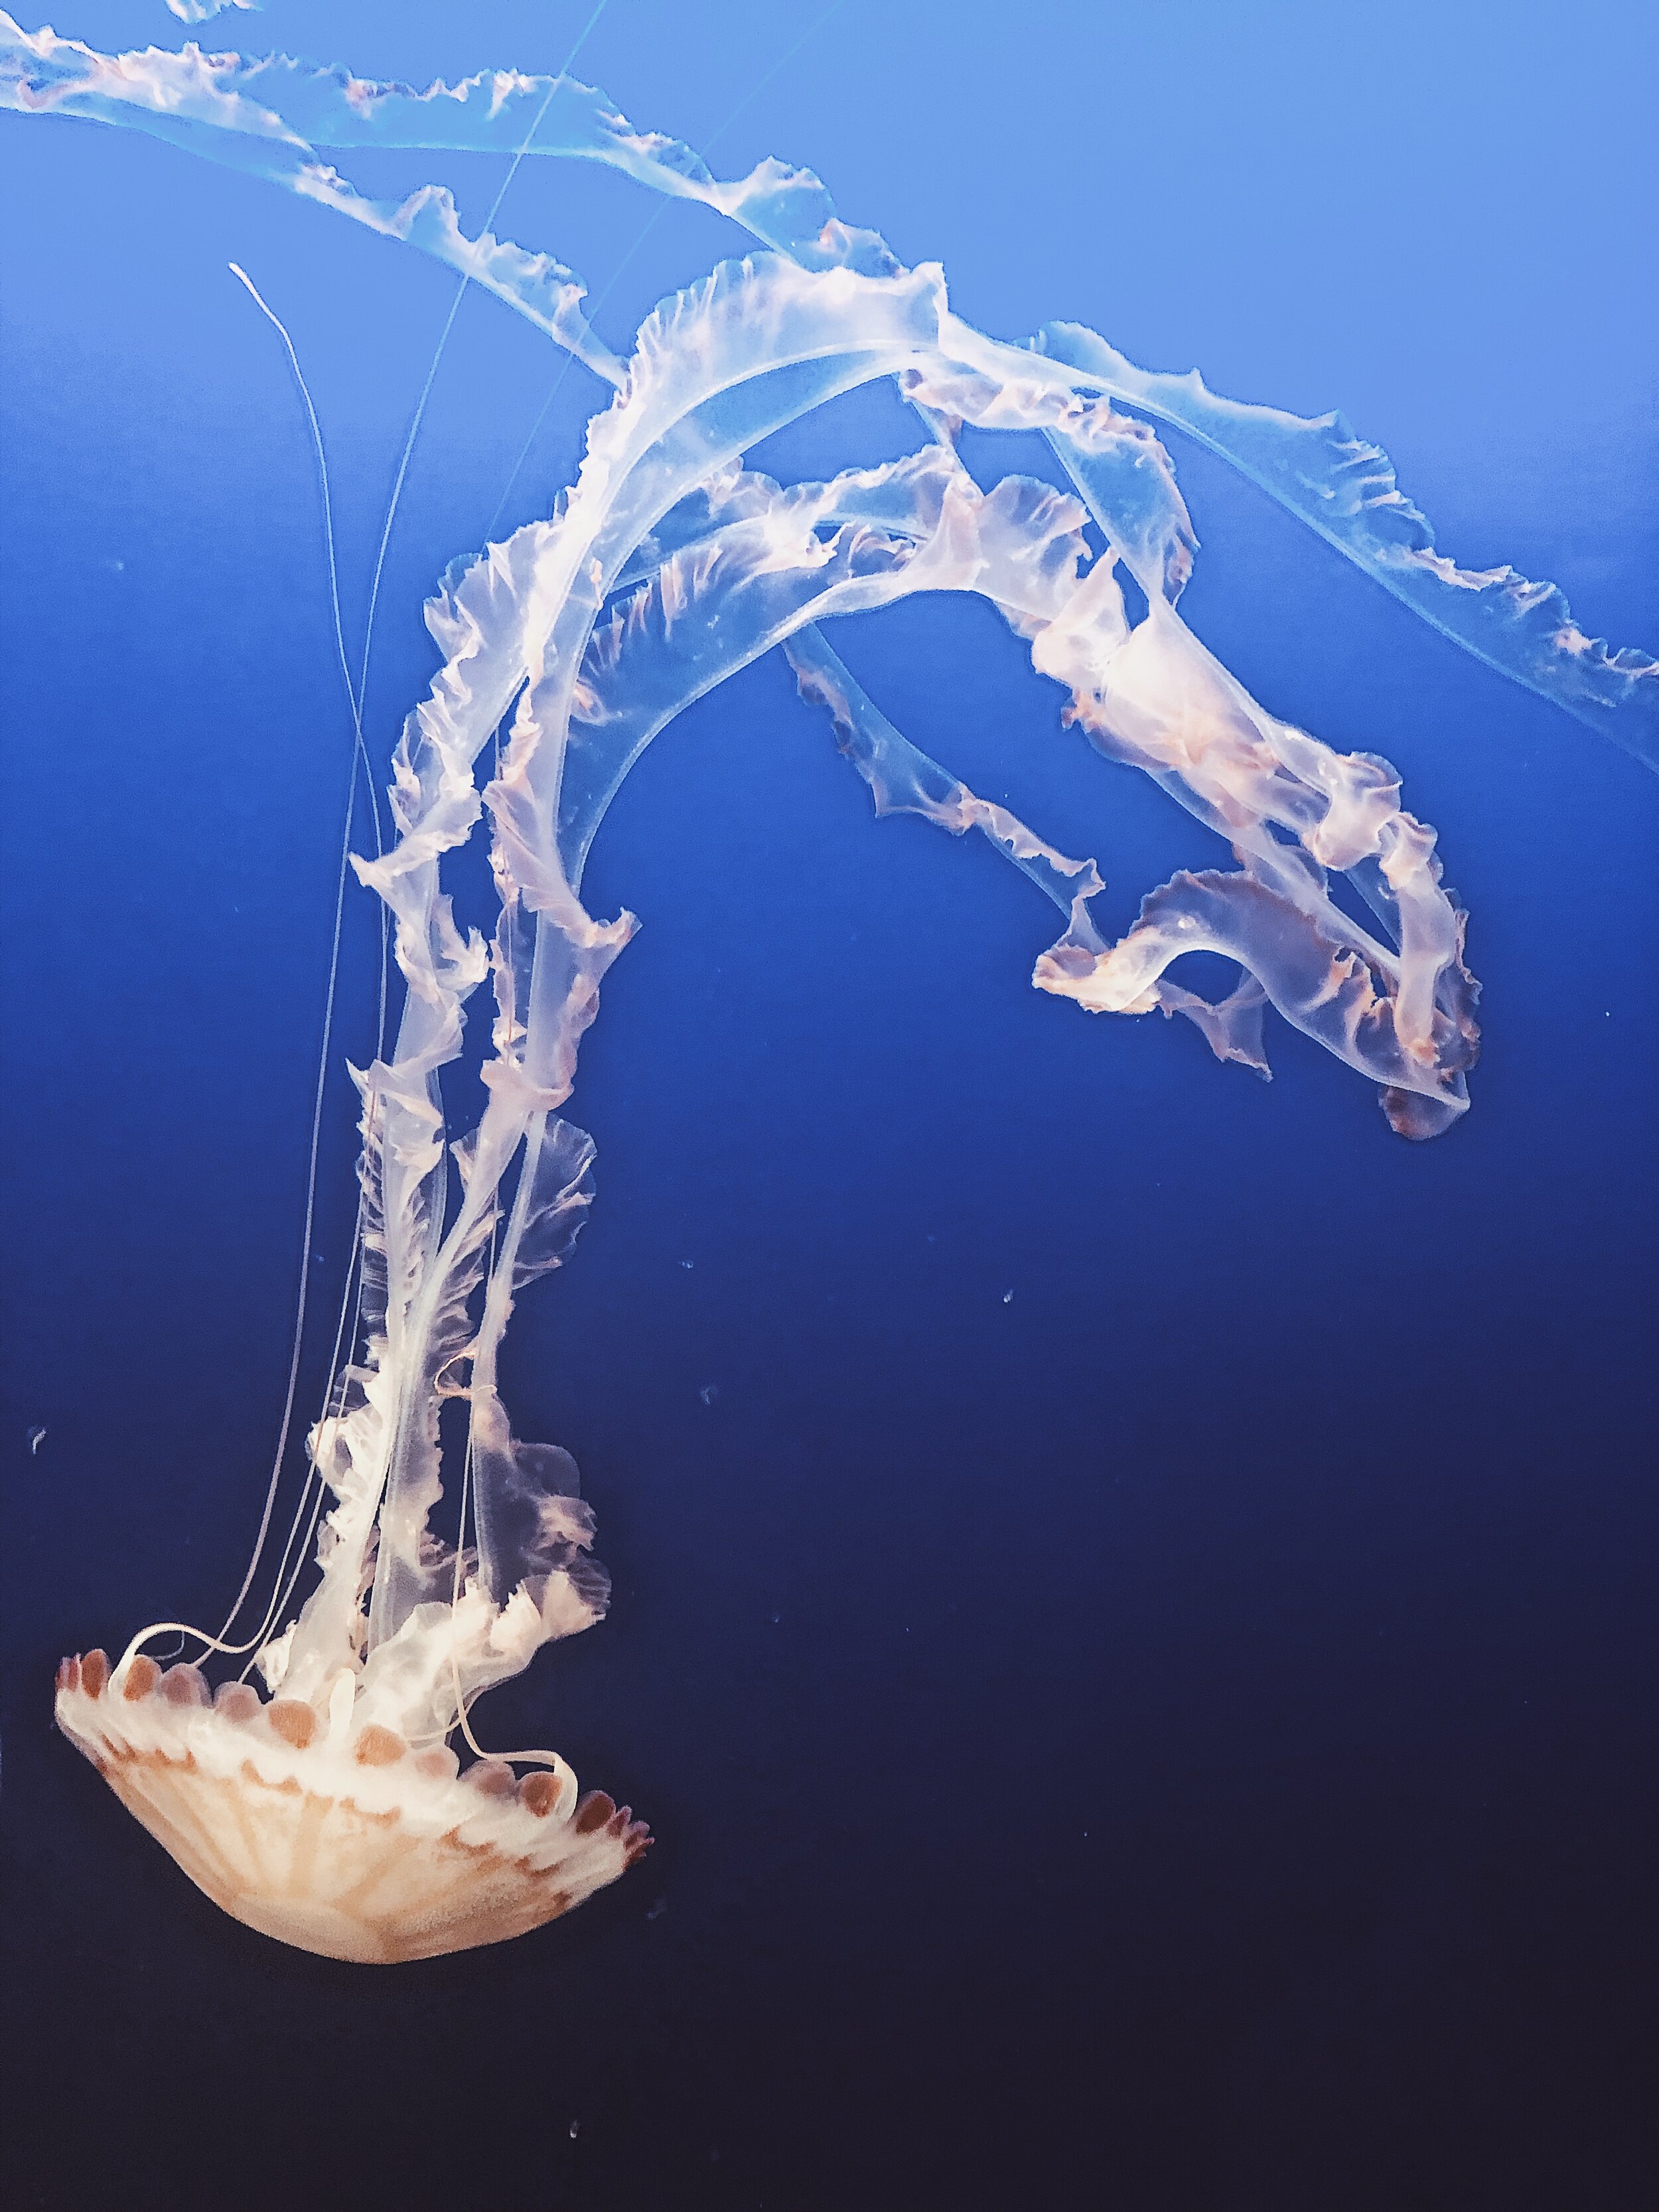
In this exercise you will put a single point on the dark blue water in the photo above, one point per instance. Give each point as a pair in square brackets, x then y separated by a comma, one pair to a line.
[1180, 1737]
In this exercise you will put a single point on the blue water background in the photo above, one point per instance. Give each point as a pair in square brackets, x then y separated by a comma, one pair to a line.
[1178, 1737]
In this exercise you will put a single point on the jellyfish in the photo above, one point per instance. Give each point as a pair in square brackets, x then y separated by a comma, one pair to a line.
[331, 1811]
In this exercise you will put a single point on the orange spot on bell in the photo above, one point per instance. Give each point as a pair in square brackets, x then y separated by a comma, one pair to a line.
[293, 1721]
[142, 1675]
[493, 1777]
[185, 1686]
[379, 1746]
[594, 1812]
[540, 1793]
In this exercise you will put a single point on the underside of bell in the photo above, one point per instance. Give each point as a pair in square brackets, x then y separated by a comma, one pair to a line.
[355, 1846]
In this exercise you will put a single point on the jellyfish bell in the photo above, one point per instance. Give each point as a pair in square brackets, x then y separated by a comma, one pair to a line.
[333, 1834]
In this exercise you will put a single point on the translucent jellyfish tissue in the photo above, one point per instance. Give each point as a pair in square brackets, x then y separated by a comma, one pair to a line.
[332, 1813]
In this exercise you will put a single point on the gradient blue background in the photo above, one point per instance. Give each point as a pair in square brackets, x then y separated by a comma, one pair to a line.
[1179, 1739]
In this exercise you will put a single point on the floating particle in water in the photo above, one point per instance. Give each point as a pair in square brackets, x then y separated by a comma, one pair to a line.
[709, 1393]
[658, 1906]
[1007, 1297]
[37, 1437]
